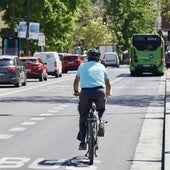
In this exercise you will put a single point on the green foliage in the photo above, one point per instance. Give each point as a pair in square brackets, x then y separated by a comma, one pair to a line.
[96, 34]
[129, 17]
[56, 20]
[89, 30]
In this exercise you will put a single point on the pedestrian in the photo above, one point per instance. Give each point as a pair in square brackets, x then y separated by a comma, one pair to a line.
[95, 85]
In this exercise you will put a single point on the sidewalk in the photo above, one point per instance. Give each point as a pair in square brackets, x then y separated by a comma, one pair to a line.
[167, 124]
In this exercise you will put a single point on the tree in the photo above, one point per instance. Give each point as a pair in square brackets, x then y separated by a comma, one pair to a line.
[89, 30]
[96, 34]
[129, 17]
[56, 20]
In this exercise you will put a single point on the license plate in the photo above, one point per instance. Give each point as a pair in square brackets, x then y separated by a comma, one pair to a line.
[28, 70]
[70, 62]
[146, 65]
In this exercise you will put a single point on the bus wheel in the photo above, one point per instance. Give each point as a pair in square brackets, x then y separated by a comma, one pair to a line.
[133, 73]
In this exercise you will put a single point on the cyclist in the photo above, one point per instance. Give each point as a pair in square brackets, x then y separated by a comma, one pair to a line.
[95, 85]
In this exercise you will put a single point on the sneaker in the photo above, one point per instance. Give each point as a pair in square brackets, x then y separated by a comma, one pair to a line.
[101, 130]
[82, 146]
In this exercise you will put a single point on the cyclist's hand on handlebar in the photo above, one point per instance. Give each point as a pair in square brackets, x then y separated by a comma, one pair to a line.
[107, 95]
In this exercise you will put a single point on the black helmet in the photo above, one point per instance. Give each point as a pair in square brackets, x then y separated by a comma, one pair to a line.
[93, 54]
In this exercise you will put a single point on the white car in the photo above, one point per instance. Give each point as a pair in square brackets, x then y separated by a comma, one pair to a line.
[53, 62]
[110, 59]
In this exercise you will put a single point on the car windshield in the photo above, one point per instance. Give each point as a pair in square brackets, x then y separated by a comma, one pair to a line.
[110, 56]
[28, 61]
[70, 58]
[6, 62]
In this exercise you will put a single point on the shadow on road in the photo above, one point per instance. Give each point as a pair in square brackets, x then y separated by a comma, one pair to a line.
[78, 161]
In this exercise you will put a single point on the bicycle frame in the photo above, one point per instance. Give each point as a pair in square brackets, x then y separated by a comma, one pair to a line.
[91, 137]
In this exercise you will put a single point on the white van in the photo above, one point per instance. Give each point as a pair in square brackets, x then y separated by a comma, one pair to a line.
[53, 62]
[110, 59]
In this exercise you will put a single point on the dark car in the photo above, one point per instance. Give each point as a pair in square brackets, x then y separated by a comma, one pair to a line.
[71, 62]
[35, 68]
[12, 71]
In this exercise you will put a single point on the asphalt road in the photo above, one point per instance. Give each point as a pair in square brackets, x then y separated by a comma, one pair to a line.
[39, 124]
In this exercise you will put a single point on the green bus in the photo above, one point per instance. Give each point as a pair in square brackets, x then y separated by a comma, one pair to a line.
[147, 54]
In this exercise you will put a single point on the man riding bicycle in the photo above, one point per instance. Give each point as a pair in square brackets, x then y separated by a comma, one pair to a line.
[95, 85]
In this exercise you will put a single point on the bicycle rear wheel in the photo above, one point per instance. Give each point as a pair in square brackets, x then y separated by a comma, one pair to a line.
[91, 148]
[91, 143]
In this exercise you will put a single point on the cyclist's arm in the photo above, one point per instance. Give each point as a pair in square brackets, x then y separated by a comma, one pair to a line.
[108, 87]
[76, 85]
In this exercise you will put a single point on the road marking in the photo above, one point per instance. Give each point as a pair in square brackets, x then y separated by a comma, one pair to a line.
[79, 163]
[53, 111]
[46, 114]
[17, 129]
[58, 108]
[41, 163]
[34, 87]
[37, 118]
[5, 136]
[28, 123]
[12, 162]
[64, 105]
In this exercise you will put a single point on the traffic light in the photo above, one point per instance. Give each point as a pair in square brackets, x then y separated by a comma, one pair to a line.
[104, 21]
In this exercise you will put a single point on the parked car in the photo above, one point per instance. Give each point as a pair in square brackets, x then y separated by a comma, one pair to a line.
[12, 71]
[110, 59]
[35, 68]
[54, 65]
[71, 62]
[61, 55]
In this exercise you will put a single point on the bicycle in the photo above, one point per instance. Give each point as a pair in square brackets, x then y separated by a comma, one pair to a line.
[91, 136]
[92, 132]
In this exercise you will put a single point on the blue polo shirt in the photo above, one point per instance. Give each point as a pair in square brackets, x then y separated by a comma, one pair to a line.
[92, 74]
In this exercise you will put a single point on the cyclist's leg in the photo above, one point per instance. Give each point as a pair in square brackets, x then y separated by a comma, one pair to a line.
[100, 102]
[100, 107]
[83, 107]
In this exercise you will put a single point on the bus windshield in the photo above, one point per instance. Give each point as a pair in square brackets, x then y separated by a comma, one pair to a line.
[146, 42]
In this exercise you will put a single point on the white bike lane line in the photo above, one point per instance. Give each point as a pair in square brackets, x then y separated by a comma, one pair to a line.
[22, 89]
[33, 121]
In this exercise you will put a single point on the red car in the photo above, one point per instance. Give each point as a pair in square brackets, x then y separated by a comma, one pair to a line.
[71, 62]
[35, 68]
